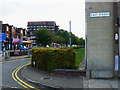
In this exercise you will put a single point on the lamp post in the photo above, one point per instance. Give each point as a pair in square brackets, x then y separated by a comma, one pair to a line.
[70, 33]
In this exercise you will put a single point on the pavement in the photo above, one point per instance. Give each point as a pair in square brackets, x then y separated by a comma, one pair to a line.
[39, 77]
[14, 57]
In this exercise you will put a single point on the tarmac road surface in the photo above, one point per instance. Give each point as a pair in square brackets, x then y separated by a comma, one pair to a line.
[8, 75]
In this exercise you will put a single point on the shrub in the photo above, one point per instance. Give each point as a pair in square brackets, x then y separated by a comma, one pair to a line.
[48, 59]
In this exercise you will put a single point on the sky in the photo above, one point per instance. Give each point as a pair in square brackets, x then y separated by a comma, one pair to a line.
[19, 12]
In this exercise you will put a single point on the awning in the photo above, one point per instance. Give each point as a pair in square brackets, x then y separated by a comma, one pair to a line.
[27, 42]
[16, 41]
[24, 41]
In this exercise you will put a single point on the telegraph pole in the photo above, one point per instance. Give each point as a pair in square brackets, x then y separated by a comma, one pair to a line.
[70, 33]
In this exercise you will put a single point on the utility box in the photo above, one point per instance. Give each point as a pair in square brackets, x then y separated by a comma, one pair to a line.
[100, 39]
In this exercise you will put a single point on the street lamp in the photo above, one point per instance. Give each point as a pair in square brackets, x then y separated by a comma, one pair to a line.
[70, 33]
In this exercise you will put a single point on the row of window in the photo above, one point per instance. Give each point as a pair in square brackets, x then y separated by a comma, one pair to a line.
[39, 26]
[13, 36]
[37, 29]
[13, 30]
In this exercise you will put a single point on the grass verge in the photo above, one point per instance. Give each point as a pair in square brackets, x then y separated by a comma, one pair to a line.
[80, 54]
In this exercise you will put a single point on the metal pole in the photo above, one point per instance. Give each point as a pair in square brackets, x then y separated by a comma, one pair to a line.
[70, 33]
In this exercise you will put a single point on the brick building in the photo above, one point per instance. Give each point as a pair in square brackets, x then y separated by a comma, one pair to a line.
[7, 43]
[11, 32]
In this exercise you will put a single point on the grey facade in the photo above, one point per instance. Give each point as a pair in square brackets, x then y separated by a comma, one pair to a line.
[100, 39]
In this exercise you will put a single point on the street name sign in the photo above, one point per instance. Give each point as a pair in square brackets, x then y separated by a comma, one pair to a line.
[100, 14]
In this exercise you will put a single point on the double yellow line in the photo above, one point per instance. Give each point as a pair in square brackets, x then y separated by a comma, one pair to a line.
[18, 80]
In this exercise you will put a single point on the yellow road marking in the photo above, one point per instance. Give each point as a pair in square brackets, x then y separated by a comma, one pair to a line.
[16, 79]
[19, 80]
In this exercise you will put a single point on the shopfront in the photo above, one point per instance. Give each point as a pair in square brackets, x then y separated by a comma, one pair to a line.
[16, 44]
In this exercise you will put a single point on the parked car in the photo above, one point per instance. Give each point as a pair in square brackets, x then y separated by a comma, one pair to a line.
[23, 48]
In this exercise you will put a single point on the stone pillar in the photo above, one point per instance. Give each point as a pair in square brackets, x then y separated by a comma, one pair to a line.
[100, 39]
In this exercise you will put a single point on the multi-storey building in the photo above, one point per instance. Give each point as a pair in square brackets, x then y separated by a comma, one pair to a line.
[35, 25]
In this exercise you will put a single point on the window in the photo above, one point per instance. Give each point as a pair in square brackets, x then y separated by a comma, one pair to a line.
[7, 36]
[30, 33]
[13, 29]
[7, 28]
[17, 36]
[25, 32]
[38, 26]
[21, 31]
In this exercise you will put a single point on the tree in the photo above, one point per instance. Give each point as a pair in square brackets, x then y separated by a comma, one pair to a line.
[81, 41]
[64, 34]
[43, 36]
[74, 39]
[58, 39]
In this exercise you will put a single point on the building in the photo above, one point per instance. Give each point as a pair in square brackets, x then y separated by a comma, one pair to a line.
[22, 34]
[101, 23]
[12, 37]
[0, 36]
[35, 25]
[8, 42]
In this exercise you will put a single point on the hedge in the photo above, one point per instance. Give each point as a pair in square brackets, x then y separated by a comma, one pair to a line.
[48, 59]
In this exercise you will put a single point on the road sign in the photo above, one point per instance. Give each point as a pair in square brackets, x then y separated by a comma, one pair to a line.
[100, 14]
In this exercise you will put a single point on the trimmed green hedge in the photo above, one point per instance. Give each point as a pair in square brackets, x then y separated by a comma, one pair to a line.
[48, 59]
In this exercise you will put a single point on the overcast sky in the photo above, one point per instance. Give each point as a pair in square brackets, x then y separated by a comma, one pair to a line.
[19, 12]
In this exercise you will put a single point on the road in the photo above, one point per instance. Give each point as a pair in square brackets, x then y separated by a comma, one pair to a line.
[7, 70]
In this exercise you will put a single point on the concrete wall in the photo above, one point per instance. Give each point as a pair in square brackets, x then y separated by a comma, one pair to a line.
[100, 40]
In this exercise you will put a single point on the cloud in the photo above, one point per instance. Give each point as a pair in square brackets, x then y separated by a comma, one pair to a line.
[19, 12]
